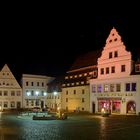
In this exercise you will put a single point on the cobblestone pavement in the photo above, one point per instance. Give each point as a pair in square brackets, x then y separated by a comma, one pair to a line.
[85, 127]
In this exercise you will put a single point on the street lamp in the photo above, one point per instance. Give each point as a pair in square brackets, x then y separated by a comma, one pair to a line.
[55, 93]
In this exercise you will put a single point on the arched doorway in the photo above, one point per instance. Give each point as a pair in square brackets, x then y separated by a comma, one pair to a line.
[93, 107]
[131, 107]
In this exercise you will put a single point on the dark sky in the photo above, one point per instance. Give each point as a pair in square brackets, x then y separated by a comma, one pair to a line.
[40, 41]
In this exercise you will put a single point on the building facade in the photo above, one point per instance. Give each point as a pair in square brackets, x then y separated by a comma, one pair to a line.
[35, 90]
[75, 88]
[117, 87]
[10, 90]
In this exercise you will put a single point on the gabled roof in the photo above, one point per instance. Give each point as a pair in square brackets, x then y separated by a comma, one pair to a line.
[86, 60]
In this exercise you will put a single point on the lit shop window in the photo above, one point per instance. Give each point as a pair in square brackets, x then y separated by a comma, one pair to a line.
[106, 88]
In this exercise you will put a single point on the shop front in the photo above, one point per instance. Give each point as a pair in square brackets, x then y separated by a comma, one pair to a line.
[109, 105]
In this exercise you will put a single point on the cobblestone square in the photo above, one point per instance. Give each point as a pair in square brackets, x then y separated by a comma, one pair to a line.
[76, 127]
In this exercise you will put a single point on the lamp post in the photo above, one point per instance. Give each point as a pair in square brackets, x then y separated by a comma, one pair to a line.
[55, 105]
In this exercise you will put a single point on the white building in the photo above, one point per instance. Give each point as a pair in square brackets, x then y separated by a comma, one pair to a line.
[10, 90]
[34, 90]
[117, 87]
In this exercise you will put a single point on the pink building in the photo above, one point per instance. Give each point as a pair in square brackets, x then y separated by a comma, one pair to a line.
[117, 87]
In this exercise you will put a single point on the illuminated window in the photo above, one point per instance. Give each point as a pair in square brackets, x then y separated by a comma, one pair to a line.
[77, 83]
[106, 88]
[66, 77]
[72, 84]
[85, 74]
[75, 76]
[71, 76]
[80, 75]
[82, 82]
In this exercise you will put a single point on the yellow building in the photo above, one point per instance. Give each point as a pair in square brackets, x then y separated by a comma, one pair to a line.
[75, 88]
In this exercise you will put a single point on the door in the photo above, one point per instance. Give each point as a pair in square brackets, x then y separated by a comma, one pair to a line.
[93, 107]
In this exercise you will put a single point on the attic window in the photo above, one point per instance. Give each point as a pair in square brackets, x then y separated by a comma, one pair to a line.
[110, 41]
[115, 39]
[112, 34]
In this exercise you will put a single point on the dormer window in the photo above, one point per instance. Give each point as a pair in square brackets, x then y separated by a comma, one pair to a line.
[137, 68]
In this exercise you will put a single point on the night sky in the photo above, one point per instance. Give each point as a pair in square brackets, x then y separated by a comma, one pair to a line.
[48, 41]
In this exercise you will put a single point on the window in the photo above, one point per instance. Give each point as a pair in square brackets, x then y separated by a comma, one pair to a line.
[94, 88]
[66, 99]
[66, 77]
[83, 100]
[107, 70]
[0, 93]
[27, 102]
[12, 104]
[106, 88]
[83, 109]
[5, 104]
[42, 84]
[122, 68]
[137, 67]
[113, 69]
[18, 93]
[102, 71]
[32, 83]
[83, 91]
[112, 87]
[12, 93]
[116, 54]
[27, 83]
[32, 93]
[110, 55]
[5, 93]
[37, 83]
[99, 88]
[133, 87]
[127, 88]
[66, 92]
[118, 87]
[74, 91]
